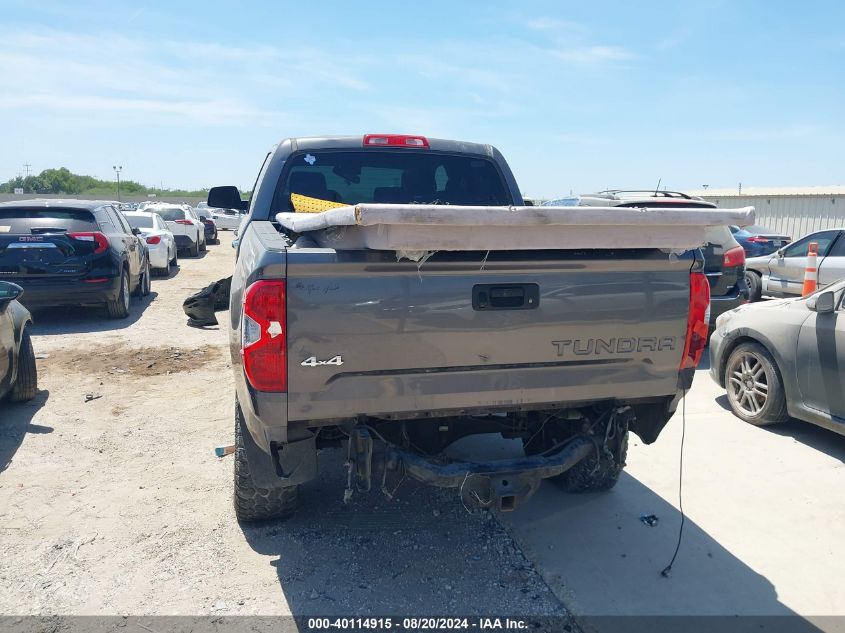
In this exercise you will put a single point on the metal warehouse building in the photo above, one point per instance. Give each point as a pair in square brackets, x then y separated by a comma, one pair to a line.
[794, 211]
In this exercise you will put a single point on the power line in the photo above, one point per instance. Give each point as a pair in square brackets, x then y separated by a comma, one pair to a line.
[27, 166]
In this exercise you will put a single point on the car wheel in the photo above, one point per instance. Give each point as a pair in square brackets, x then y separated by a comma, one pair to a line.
[175, 259]
[26, 383]
[251, 502]
[754, 386]
[143, 288]
[194, 249]
[755, 285]
[118, 308]
[203, 245]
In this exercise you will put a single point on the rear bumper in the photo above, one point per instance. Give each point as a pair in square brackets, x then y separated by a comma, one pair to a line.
[67, 292]
[716, 351]
[184, 241]
[159, 255]
[722, 303]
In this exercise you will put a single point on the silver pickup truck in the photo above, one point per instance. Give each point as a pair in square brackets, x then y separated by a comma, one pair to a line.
[392, 360]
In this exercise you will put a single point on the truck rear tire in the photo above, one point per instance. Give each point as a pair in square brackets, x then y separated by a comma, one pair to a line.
[599, 471]
[251, 502]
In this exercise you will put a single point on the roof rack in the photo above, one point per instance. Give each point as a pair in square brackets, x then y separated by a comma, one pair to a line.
[655, 193]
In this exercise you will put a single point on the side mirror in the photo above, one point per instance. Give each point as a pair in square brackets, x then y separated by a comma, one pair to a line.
[779, 253]
[136, 230]
[822, 303]
[8, 293]
[226, 198]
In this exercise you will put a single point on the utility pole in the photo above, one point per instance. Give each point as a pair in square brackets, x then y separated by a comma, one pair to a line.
[117, 170]
[27, 166]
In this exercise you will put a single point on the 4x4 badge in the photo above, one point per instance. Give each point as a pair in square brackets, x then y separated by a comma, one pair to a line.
[313, 362]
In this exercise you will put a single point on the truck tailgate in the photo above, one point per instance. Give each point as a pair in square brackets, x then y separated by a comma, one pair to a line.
[368, 335]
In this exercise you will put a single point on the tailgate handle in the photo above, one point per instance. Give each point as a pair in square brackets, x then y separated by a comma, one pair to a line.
[505, 296]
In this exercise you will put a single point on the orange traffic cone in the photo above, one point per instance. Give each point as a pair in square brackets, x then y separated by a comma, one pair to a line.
[811, 273]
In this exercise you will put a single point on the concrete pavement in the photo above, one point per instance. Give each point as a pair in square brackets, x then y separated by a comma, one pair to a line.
[764, 533]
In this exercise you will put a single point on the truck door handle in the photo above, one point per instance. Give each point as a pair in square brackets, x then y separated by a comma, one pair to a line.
[505, 296]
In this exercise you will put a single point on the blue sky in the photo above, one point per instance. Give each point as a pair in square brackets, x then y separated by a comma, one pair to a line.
[577, 95]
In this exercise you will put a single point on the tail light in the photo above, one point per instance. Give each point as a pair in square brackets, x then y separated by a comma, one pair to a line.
[734, 257]
[154, 239]
[698, 320]
[101, 242]
[184, 222]
[264, 336]
[758, 240]
[395, 140]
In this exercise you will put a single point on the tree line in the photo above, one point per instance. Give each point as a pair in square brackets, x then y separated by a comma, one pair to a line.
[63, 181]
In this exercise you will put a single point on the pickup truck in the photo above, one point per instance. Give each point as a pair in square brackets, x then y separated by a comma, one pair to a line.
[394, 360]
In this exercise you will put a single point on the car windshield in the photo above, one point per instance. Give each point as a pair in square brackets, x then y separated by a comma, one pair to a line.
[140, 221]
[386, 176]
[170, 214]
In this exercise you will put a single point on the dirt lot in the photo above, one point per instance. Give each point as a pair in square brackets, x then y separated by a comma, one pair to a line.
[117, 504]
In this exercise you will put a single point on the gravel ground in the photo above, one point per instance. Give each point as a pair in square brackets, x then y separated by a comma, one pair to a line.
[117, 505]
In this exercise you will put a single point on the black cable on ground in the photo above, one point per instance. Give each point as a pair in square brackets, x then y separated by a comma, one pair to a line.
[667, 571]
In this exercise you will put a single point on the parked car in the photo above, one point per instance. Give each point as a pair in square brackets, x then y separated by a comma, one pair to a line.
[161, 245]
[758, 240]
[18, 375]
[781, 274]
[784, 358]
[188, 230]
[210, 225]
[72, 252]
[565, 349]
[724, 258]
[225, 219]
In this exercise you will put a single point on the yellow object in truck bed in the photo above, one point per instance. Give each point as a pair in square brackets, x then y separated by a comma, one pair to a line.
[305, 204]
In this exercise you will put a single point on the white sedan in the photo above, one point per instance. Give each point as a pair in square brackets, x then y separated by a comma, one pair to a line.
[160, 241]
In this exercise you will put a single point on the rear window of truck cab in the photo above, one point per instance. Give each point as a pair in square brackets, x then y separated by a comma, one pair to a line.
[391, 176]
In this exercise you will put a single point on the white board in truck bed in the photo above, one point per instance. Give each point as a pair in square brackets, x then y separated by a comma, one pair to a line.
[425, 227]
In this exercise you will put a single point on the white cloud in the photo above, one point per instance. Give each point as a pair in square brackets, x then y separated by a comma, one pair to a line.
[593, 55]
[173, 81]
[211, 112]
[545, 23]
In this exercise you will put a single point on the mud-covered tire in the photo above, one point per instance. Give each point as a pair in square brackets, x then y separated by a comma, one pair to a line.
[755, 285]
[118, 308]
[251, 502]
[598, 471]
[26, 383]
[770, 405]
